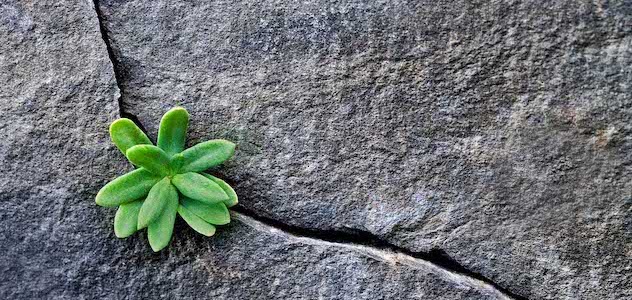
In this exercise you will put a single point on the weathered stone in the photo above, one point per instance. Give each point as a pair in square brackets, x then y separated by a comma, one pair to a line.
[58, 96]
[250, 260]
[497, 132]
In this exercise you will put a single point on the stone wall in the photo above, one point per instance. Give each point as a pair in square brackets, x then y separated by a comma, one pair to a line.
[386, 149]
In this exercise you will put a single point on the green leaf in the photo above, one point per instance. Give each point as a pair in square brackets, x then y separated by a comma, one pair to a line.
[176, 162]
[159, 232]
[125, 134]
[206, 155]
[198, 187]
[212, 213]
[159, 195]
[196, 222]
[172, 133]
[126, 219]
[151, 158]
[127, 188]
[232, 196]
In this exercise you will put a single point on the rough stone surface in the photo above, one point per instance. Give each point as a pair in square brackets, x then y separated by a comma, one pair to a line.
[495, 131]
[250, 260]
[58, 94]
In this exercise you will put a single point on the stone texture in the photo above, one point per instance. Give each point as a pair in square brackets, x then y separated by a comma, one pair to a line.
[496, 131]
[250, 260]
[58, 95]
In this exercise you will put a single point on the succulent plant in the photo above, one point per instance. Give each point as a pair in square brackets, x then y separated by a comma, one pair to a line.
[168, 181]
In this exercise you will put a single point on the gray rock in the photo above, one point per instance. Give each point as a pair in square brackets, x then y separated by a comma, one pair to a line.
[58, 96]
[496, 132]
[250, 260]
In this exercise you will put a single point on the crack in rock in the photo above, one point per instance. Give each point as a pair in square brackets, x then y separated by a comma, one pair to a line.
[117, 68]
[368, 244]
[364, 243]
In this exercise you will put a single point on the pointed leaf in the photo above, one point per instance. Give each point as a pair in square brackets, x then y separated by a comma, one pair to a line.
[232, 196]
[127, 188]
[206, 155]
[159, 232]
[151, 158]
[198, 187]
[212, 213]
[126, 219]
[172, 133]
[158, 197]
[196, 222]
[125, 134]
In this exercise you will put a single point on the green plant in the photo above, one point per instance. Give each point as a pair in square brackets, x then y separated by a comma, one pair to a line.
[168, 181]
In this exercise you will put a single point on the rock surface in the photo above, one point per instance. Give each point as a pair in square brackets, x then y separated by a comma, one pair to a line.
[496, 132]
[58, 95]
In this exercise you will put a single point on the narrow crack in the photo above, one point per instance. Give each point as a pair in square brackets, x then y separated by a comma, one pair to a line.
[116, 67]
[361, 238]
[357, 239]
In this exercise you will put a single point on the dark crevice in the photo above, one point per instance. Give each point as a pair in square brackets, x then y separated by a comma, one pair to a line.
[364, 238]
[119, 71]
[349, 236]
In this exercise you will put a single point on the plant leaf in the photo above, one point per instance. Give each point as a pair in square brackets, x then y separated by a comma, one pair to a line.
[150, 157]
[158, 197]
[126, 219]
[127, 188]
[159, 232]
[172, 132]
[216, 214]
[125, 134]
[206, 155]
[198, 187]
[176, 162]
[232, 196]
[196, 222]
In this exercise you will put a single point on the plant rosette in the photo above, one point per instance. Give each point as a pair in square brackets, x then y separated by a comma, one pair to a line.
[169, 181]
